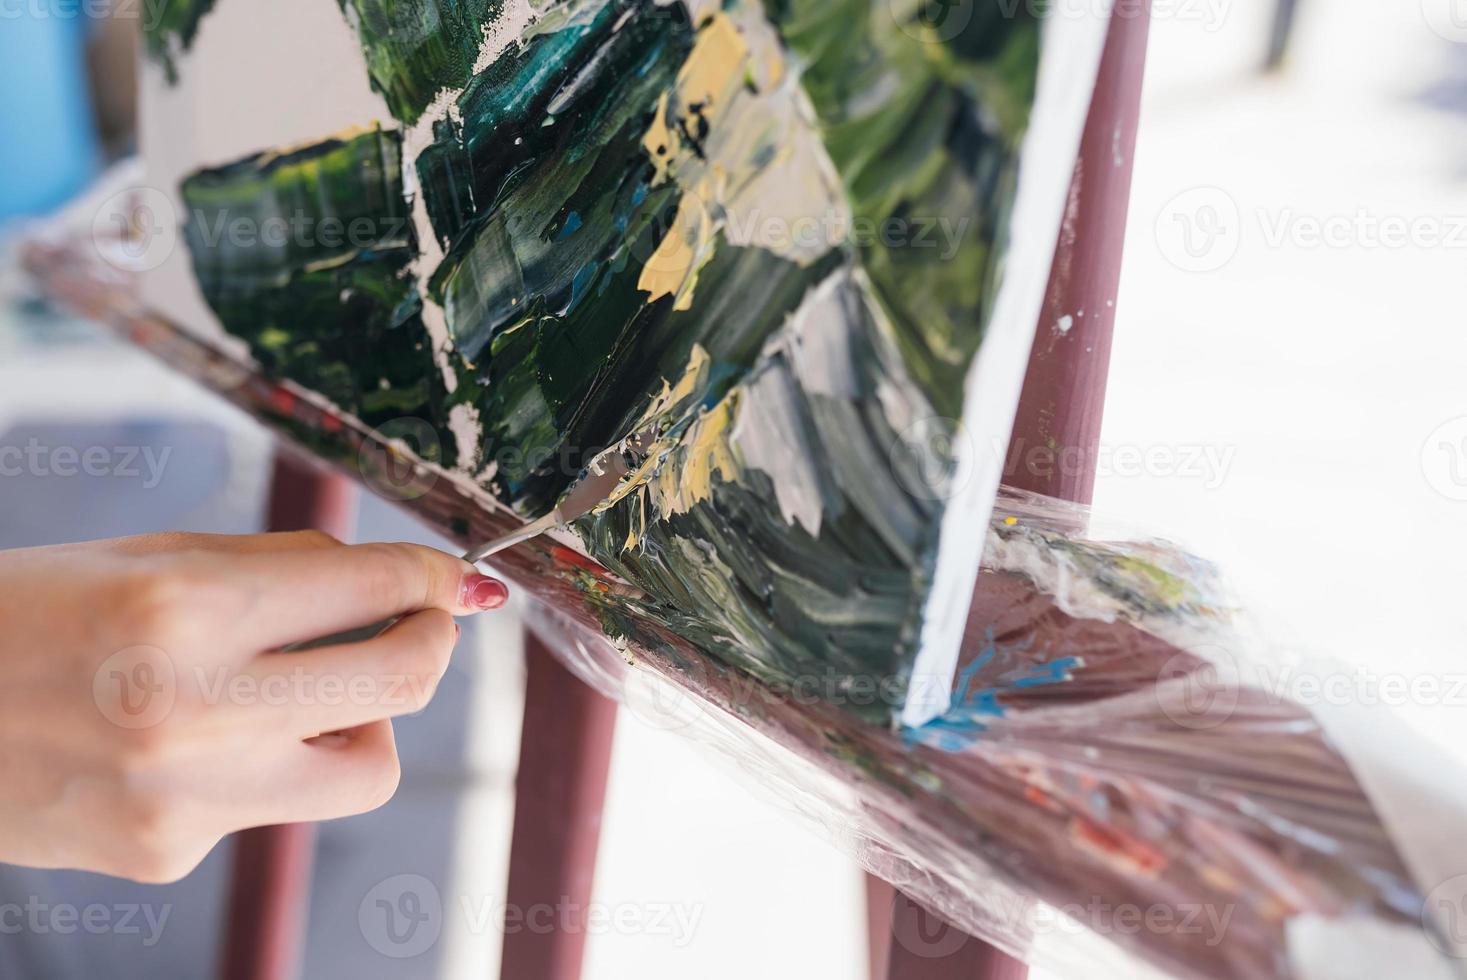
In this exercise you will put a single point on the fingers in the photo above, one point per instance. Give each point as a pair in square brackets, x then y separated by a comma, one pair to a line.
[338, 776]
[330, 689]
[314, 592]
[176, 541]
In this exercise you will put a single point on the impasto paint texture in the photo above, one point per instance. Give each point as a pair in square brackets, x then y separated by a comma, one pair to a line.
[765, 237]
[322, 289]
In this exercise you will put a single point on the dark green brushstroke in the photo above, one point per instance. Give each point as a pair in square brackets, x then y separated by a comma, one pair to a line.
[169, 28]
[305, 256]
[415, 48]
[939, 144]
[736, 578]
[540, 279]
[547, 219]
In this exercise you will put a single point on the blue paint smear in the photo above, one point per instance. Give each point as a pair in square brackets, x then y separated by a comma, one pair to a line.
[964, 722]
[572, 224]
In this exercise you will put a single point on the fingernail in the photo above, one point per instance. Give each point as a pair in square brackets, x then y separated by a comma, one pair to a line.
[483, 592]
[458, 631]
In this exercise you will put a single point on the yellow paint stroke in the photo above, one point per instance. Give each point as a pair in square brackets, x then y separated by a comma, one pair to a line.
[670, 401]
[662, 142]
[705, 452]
[681, 470]
[673, 268]
[694, 379]
[706, 85]
[714, 66]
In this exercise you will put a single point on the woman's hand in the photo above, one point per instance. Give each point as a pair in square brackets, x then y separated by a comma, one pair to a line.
[146, 711]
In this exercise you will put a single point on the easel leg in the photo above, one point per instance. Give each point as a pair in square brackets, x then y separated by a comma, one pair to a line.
[565, 755]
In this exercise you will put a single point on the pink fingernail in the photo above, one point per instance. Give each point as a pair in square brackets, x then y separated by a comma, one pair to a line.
[483, 592]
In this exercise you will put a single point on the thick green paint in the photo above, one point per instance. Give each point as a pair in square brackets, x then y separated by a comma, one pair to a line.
[415, 48]
[305, 256]
[925, 132]
[546, 206]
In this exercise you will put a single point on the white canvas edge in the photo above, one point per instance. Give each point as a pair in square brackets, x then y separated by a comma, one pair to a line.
[1069, 65]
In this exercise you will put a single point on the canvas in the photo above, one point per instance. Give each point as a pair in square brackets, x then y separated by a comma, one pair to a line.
[796, 248]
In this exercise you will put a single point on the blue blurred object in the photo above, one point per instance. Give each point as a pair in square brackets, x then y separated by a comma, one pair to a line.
[48, 147]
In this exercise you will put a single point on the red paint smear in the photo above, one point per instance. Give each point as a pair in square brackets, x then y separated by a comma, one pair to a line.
[1118, 846]
[566, 556]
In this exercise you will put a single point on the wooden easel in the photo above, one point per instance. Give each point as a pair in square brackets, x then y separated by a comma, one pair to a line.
[566, 743]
